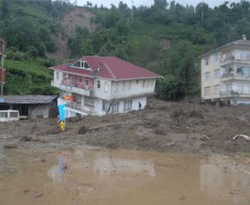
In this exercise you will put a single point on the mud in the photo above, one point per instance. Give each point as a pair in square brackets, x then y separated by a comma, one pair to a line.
[163, 126]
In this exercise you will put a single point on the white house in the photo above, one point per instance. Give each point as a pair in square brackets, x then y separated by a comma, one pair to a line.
[225, 73]
[100, 85]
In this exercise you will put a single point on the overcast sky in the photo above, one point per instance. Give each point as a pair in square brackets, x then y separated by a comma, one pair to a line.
[107, 3]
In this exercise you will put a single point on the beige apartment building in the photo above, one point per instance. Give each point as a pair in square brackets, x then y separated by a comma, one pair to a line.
[225, 73]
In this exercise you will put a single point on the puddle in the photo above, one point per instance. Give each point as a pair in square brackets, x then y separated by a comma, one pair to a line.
[99, 176]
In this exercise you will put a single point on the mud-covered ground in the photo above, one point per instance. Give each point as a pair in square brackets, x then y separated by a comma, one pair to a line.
[163, 126]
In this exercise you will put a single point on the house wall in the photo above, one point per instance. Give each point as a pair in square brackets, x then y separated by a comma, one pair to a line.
[213, 65]
[231, 57]
[135, 105]
[36, 110]
[104, 91]
[130, 88]
[60, 77]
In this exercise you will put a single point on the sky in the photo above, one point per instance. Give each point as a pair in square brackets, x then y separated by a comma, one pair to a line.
[107, 3]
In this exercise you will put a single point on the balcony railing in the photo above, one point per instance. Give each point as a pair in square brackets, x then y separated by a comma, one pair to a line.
[233, 59]
[233, 93]
[82, 85]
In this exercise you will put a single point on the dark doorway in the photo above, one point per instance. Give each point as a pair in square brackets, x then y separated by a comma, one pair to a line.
[23, 109]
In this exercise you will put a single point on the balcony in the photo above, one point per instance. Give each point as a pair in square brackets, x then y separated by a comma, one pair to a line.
[73, 87]
[232, 93]
[232, 76]
[229, 60]
[73, 106]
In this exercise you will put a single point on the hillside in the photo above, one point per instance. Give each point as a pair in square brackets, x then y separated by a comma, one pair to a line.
[71, 19]
[57, 31]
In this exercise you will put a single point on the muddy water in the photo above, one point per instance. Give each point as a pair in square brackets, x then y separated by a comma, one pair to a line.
[94, 176]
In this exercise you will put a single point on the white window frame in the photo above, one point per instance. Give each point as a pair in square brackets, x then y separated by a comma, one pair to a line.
[207, 61]
[127, 105]
[207, 77]
[207, 91]
[106, 87]
[114, 108]
[216, 89]
[88, 101]
[217, 74]
[98, 84]
[216, 57]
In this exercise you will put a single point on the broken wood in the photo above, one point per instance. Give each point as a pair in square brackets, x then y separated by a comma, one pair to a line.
[208, 138]
[240, 135]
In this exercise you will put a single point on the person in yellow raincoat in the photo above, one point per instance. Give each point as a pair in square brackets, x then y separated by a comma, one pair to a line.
[62, 125]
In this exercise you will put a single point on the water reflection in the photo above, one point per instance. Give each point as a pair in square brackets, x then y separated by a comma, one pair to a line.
[221, 177]
[57, 171]
[105, 164]
[101, 164]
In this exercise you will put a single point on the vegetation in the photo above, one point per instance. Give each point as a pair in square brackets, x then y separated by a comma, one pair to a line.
[131, 34]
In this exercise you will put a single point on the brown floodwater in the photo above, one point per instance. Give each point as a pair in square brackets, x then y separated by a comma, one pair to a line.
[100, 176]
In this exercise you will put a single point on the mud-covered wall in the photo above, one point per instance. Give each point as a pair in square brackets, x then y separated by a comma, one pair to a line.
[39, 111]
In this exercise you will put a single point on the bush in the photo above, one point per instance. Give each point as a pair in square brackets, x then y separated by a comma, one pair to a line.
[171, 88]
[17, 55]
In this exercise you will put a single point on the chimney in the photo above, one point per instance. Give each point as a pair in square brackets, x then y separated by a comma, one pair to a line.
[244, 37]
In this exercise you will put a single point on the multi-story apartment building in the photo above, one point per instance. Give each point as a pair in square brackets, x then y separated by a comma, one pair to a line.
[100, 85]
[225, 73]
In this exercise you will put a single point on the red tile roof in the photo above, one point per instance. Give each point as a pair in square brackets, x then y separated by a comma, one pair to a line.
[112, 68]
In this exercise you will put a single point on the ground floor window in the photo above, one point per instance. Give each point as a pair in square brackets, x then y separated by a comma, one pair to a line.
[106, 104]
[217, 89]
[207, 91]
[88, 101]
[127, 104]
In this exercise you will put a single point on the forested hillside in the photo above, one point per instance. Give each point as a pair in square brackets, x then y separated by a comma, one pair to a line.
[132, 34]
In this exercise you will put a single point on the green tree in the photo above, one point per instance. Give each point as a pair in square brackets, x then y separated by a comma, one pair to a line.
[171, 88]
[5, 8]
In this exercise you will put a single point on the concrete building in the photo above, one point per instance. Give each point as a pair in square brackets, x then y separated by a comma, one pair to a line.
[32, 106]
[225, 73]
[100, 85]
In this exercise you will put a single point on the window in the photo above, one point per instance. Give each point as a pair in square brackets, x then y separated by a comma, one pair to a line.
[207, 91]
[217, 74]
[216, 57]
[106, 104]
[79, 79]
[87, 81]
[64, 76]
[217, 90]
[143, 84]
[244, 71]
[228, 55]
[207, 77]
[98, 84]
[242, 55]
[127, 104]
[148, 82]
[115, 86]
[106, 87]
[3, 114]
[137, 81]
[206, 61]
[89, 101]
[115, 106]
[82, 64]
[57, 75]
[13, 114]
